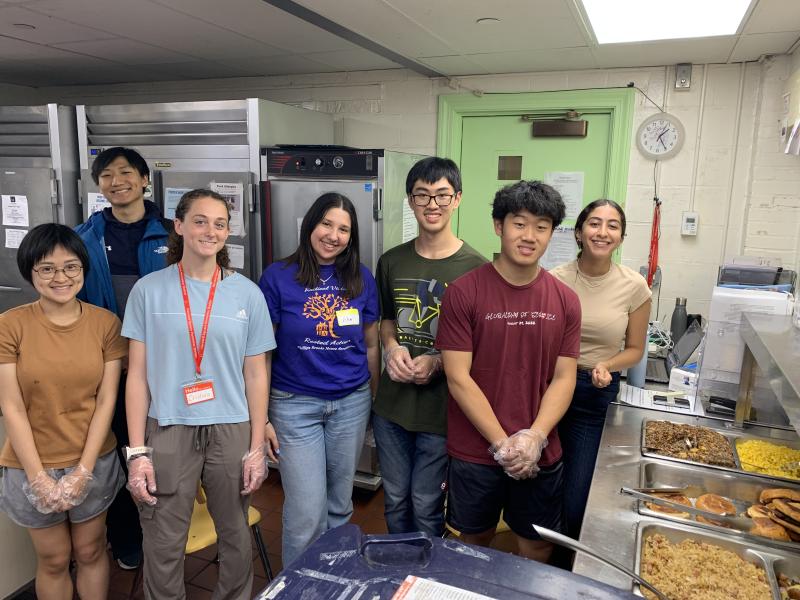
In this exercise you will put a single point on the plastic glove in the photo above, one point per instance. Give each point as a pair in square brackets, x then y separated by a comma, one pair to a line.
[74, 486]
[425, 367]
[519, 454]
[142, 479]
[43, 493]
[399, 364]
[254, 469]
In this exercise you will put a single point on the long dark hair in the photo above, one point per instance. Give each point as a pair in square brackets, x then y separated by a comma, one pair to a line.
[175, 242]
[584, 214]
[348, 264]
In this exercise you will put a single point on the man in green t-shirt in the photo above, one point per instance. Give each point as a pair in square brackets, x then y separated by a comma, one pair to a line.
[410, 410]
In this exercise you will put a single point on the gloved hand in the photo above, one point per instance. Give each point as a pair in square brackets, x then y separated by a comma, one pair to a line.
[142, 479]
[399, 364]
[519, 454]
[44, 493]
[254, 469]
[74, 486]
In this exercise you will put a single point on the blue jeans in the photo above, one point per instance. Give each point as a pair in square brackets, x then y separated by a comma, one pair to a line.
[580, 431]
[320, 442]
[414, 471]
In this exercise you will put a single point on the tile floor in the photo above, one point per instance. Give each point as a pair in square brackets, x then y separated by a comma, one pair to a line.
[200, 572]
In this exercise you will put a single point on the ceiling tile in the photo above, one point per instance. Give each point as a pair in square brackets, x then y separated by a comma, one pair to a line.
[751, 47]
[772, 16]
[157, 25]
[201, 69]
[281, 65]
[353, 60]
[386, 25]
[263, 22]
[558, 59]
[453, 65]
[18, 49]
[666, 52]
[48, 30]
[126, 51]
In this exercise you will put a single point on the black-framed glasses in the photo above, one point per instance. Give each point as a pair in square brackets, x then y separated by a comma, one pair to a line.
[71, 270]
[425, 199]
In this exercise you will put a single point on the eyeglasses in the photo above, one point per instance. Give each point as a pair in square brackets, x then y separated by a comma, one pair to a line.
[47, 272]
[425, 199]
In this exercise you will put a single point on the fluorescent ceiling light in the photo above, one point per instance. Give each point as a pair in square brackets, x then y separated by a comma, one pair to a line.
[616, 21]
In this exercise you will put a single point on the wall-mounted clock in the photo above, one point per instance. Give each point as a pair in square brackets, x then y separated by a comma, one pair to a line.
[660, 136]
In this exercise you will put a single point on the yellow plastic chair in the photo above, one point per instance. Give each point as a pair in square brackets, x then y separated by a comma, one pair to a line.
[203, 534]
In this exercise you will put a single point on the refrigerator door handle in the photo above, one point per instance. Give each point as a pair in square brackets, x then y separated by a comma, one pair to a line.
[8, 288]
[253, 200]
[377, 203]
[55, 197]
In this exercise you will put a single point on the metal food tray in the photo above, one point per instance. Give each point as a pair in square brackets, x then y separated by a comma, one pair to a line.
[742, 490]
[731, 437]
[772, 560]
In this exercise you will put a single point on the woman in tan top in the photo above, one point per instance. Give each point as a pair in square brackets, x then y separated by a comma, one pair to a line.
[615, 303]
[60, 362]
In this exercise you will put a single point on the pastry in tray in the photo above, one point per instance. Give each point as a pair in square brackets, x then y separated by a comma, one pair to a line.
[689, 442]
[778, 514]
[673, 512]
[716, 504]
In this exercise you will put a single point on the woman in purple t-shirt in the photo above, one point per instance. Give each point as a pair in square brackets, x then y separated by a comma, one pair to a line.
[324, 305]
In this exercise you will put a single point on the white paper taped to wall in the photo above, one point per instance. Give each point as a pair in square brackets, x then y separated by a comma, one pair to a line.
[561, 249]
[409, 223]
[14, 237]
[234, 194]
[570, 185]
[96, 202]
[236, 254]
[15, 211]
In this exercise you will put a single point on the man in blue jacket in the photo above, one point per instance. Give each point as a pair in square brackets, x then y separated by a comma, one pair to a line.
[126, 241]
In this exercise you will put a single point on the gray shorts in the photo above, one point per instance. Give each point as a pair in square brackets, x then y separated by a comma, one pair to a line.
[108, 479]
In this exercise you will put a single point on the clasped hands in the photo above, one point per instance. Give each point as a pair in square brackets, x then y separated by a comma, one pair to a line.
[49, 495]
[519, 453]
[404, 369]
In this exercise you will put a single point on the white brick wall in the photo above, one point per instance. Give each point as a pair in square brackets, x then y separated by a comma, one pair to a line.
[730, 169]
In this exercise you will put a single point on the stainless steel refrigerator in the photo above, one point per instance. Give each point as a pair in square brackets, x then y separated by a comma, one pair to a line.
[374, 180]
[38, 184]
[187, 145]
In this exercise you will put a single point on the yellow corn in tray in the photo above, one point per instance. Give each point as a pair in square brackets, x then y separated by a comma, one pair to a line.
[768, 458]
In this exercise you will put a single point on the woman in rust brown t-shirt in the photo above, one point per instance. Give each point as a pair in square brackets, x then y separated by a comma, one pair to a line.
[60, 361]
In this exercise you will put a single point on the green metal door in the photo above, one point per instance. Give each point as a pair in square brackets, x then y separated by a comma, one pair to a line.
[486, 140]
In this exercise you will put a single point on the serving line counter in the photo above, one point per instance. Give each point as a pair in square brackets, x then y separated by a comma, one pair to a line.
[613, 523]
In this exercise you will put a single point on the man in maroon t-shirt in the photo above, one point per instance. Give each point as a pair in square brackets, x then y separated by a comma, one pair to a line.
[509, 333]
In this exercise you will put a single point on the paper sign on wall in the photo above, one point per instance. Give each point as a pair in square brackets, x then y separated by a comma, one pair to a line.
[171, 198]
[409, 223]
[14, 237]
[234, 194]
[96, 202]
[15, 211]
[561, 249]
[236, 254]
[570, 185]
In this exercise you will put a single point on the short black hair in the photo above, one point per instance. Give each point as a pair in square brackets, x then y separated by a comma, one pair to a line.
[109, 155]
[42, 240]
[539, 199]
[431, 170]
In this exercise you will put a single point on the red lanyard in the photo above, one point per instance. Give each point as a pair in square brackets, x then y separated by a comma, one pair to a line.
[197, 353]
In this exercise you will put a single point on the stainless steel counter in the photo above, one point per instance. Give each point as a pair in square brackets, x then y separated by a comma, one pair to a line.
[611, 519]
[774, 344]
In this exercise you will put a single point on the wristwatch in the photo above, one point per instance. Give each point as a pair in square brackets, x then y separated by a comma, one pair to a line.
[131, 453]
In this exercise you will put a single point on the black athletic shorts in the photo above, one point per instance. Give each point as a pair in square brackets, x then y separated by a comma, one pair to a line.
[478, 493]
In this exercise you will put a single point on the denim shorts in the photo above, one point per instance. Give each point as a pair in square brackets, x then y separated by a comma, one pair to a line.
[108, 479]
[478, 493]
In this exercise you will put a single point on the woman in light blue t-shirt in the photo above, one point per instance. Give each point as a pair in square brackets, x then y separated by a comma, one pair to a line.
[324, 306]
[196, 399]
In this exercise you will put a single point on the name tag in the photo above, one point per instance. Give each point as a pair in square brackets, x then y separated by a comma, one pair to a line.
[348, 316]
[198, 391]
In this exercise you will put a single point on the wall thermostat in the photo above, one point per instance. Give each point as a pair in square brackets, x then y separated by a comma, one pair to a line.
[689, 223]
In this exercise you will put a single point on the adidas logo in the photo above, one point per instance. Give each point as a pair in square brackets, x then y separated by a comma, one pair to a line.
[161, 250]
[242, 314]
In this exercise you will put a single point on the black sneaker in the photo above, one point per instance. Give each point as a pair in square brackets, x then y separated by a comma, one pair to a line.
[130, 562]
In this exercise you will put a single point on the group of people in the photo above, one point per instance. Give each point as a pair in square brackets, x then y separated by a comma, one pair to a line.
[147, 355]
